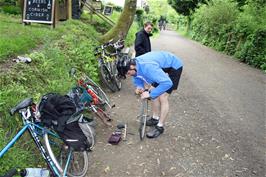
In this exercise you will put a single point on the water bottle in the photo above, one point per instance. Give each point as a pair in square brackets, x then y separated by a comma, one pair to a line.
[34, 172]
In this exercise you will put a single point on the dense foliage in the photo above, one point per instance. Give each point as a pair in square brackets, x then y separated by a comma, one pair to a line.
[185, 7]
[239, 32]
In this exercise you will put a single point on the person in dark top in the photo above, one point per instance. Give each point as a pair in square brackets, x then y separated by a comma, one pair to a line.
[142, 41]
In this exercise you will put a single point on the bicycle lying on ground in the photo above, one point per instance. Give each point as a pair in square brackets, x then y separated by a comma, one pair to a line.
[91, 96]
[107, 63]
[61, 159]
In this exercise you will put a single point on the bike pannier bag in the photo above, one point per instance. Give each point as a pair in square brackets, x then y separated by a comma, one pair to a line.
[80, 135]
[55, 110]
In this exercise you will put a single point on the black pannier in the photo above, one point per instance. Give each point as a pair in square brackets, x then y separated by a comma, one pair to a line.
[60, 113]
[80, 135]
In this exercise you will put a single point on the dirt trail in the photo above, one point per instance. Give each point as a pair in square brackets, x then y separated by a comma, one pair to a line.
[215, 128]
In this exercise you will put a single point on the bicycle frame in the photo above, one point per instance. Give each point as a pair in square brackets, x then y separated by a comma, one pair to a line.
[35, 131]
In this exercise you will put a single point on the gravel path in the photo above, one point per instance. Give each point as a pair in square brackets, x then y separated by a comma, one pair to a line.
[215, 128]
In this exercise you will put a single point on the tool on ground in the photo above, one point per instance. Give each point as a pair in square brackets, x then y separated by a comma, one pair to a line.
[123, 126]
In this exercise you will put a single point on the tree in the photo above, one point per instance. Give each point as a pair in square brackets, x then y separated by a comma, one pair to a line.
[185, 7]
[125, 20]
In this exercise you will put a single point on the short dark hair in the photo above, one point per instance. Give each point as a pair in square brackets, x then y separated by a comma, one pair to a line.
[148, 23]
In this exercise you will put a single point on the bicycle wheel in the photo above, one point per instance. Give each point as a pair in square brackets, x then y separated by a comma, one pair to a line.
[142, 127]
[108, 78]
[118, 81]
[59, 153]
[143, 118]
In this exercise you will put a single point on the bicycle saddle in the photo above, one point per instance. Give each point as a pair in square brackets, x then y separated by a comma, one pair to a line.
[23, 104]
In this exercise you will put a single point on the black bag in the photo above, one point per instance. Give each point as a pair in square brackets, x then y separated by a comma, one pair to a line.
[55, 110]
[80, 135]
[59, 112]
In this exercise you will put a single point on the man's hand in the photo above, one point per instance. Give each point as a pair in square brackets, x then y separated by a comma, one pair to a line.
[145, 94]
[139, 91]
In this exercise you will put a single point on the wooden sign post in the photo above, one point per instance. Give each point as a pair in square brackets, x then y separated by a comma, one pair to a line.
[39, 11]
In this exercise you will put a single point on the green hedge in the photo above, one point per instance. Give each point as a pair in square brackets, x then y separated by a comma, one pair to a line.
[239, 32]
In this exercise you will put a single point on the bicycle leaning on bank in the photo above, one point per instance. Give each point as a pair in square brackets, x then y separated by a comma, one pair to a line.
[107, 63]
[61, 160]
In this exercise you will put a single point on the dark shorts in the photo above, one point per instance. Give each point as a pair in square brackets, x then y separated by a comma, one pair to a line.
[174, 76]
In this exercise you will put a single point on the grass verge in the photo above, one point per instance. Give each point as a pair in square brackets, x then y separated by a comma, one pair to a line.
[68, 45]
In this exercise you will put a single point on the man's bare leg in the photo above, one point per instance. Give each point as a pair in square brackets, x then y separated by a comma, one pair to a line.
[156, 108]
[164, 104]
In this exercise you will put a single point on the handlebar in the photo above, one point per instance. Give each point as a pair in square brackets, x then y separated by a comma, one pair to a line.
[118, 45]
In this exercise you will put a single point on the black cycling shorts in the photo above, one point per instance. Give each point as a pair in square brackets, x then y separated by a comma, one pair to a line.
[174, 75]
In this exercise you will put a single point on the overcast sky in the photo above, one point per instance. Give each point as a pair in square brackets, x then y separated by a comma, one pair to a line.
[120, 2]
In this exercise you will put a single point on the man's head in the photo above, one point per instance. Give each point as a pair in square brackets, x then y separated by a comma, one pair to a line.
[148, 27]
[126, 66]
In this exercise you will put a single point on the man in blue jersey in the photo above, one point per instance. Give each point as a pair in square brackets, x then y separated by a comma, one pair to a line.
[160, 71]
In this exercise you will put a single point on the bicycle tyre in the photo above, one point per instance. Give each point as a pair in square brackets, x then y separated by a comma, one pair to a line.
[107, 78]
[118, 81]
[58, 153]
[143, 118]
[142, 127]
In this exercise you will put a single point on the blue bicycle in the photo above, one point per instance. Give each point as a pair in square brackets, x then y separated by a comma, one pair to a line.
[61, 160]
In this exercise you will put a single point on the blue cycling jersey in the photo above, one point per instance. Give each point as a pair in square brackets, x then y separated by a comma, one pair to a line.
[150, 70]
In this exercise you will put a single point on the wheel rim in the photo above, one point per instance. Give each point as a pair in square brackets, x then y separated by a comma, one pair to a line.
[78, 163]
[108, 78]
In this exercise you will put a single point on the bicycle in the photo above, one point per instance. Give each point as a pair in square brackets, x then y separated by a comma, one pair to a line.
[61, 160]
[99, 101]
[107, 64]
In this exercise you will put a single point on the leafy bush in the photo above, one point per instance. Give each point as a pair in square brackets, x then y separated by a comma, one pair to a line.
[213, 20]
[118, 8]
[253, 51]
[131, 34]
[221, 25]
[139, 17]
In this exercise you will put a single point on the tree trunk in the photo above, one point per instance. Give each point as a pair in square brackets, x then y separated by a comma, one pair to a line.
[125, 20]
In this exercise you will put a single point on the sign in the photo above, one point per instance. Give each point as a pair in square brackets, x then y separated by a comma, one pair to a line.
[39, 11]
[97, 5]
[108, 10]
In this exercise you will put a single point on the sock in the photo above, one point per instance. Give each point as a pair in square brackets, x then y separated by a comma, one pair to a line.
[160, 124]
[156, 117]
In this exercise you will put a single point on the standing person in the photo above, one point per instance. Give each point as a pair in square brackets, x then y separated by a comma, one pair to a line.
[142, 41]
[160, 24]
[162, 71]
[164, 24]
